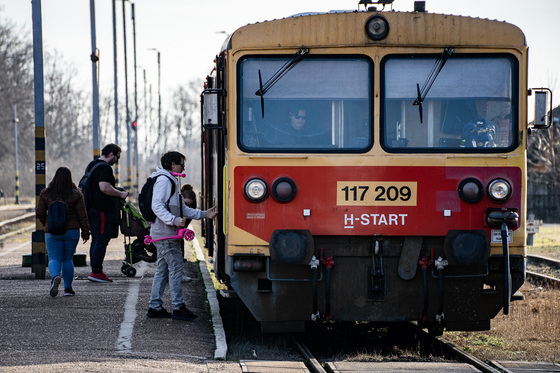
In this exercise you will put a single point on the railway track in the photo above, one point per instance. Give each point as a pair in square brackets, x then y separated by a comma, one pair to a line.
[15, 220]
[543, 264]
[314, 366]
[323, 351]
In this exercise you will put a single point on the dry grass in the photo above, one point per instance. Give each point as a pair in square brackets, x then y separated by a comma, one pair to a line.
[531, 331]
[546, 242]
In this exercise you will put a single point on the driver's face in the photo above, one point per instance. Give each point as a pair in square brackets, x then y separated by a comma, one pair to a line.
[298, 121]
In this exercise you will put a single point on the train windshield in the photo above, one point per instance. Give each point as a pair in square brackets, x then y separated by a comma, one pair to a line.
[319, 105]
[469, 108]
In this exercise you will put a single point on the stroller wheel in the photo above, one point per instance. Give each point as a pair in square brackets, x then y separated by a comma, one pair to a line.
[130, 272]
[124, 267]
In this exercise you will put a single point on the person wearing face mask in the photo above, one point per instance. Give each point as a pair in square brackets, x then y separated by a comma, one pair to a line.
[171, 214]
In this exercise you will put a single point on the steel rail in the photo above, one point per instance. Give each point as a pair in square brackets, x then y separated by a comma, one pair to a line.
[17, 207]
[313, 363]
[16, 219]
[467, 358]
[533, 259]
[454, 350]
[19, 231]
[543, 279]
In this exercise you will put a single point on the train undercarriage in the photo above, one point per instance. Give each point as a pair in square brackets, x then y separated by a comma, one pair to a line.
[376, 279]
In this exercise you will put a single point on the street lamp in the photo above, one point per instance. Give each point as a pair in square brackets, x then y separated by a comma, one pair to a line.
[159, 98]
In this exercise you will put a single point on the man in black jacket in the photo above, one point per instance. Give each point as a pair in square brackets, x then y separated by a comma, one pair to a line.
[103, 206]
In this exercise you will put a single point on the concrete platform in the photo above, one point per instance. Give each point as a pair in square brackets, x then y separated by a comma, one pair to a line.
[525, 366]
[417, 367]
[263, 366]
[104, 327]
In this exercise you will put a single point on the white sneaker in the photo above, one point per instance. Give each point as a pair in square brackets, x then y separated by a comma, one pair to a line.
[186, 278]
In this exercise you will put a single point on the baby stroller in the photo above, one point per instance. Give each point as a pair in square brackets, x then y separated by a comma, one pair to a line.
[134, 225]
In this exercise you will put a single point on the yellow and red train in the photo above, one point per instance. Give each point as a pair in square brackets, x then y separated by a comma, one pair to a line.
[368, 166]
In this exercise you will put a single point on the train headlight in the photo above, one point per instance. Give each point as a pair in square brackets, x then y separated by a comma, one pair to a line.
[470, 190]
[377, 28]
[284, 189]
[499, 190]
[256, 190]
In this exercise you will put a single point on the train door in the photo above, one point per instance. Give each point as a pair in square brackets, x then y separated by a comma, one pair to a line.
[213, 102]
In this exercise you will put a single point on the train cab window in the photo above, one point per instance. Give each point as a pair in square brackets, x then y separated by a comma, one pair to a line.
[469, 108]
[319, 105]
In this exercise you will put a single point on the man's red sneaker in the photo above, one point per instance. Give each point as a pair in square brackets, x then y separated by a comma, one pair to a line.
[99, 277]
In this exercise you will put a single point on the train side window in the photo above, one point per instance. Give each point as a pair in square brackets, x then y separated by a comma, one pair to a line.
[470, 107]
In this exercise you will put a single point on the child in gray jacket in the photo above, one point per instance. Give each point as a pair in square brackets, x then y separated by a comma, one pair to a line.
[167, 207]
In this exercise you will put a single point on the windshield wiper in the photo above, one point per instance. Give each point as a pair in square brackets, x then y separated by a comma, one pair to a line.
[421, 94]
[278, 75]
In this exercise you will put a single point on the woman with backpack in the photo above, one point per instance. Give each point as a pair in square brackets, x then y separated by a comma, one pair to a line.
[62, 211]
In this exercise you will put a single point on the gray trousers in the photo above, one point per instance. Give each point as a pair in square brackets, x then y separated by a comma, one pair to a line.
[169, 269]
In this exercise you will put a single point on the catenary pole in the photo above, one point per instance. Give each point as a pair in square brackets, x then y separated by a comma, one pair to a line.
[159, 104]
[38, 246]
[94, 58]
[135, 104]
[16, 153]
[146, 149]
[116, 87]
[128, 153]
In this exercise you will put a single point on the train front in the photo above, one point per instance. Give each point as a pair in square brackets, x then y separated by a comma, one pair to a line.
[376, 178]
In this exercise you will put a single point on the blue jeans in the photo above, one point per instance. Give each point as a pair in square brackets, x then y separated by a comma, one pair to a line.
[169, 269]
[61, 251]
[102, 226]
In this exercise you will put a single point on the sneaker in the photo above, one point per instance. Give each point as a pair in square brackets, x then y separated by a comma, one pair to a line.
[186, 278]
[69, 292]
[161, 314]
[183, 313]
[54, 286]
[99, 277]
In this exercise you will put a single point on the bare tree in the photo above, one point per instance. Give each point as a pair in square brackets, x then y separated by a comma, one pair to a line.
[16, 88]
[543, 158]
[66, 117]
[182, 125]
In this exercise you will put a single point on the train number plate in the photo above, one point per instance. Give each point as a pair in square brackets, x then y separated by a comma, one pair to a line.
[376, 193]
[497, 236]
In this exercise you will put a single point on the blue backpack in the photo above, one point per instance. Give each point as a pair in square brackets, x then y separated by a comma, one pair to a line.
[57, 214]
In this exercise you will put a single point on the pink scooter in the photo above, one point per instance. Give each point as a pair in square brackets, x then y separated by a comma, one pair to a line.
[185, 233]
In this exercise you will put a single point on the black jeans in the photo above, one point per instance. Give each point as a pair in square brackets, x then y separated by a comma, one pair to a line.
[102, 226]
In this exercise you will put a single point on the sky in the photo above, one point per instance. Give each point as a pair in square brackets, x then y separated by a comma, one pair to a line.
[189, 33]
